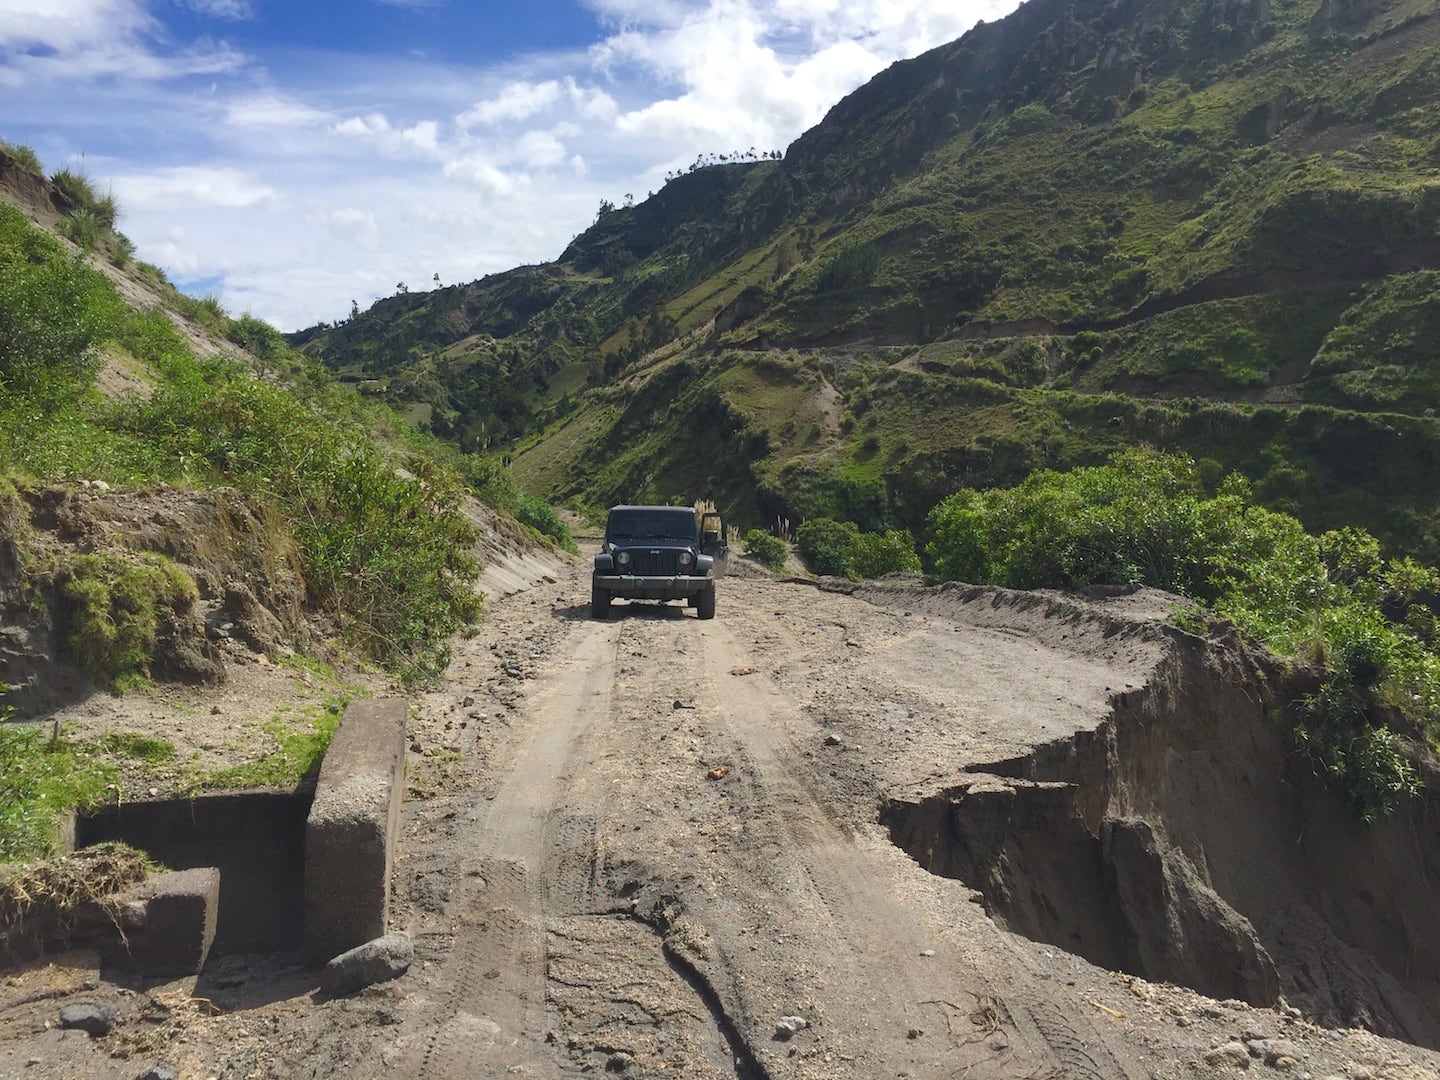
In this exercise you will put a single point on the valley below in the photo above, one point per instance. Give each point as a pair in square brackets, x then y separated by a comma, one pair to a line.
[838, 831]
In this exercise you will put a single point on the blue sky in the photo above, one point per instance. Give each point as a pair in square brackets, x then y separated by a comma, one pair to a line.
[293, 157]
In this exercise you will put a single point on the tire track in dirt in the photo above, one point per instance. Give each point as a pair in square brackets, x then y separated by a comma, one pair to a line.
[880, 954]
[491, 1019]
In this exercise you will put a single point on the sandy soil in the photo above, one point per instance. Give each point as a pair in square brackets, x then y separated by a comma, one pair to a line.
[632, 847]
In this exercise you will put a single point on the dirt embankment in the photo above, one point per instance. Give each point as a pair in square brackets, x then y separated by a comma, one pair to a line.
[656, 846]
[1197, 846]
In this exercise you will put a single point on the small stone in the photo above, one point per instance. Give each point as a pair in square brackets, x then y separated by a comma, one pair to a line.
[1283, 1063]
[619, 1062]
[914, 1033]
[683, 704]
[789, 1025]
[831, 740]
[927, 952]
[998, 1042]
[376, 961]
[1280, 1048]
[1183, 1021]
[95, 1018]
[160, 1072]
[1257, 1047]
[1231, 1053]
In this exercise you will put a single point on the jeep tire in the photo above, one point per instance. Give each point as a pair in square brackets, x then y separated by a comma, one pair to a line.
[599, 602]
[705, 603]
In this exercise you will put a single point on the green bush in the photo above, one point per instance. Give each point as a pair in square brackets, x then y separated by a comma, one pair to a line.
[75, 186]
[768, 550]
[826, 544]
[114, 610]
[1146, 518]
[840, 549]
[24, 156]
[258, 336]
[891, 552]
[387, 555]
[54, 311]
[384, 543]
[852, 267]
[122, 249]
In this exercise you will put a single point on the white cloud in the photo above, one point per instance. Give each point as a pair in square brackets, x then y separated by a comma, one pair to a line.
[66, 25]
[191, 186]
[420, 139]
[349, 223]
[299, 183]
[275, 111]
[480, 172]
[75, 40]
[517, 101]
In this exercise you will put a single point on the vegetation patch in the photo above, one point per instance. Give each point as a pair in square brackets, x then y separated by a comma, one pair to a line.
[43, 900]
[298, 752]
[840, 549]
[114, 607]
[767, 549]
[43, 776]
[375, 506]
[1328, 599]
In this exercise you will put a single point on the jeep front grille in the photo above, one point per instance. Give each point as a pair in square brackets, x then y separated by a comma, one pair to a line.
[654, 563]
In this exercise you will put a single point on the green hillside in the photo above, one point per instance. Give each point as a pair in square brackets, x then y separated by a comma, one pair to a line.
[284, 478]
[1205, 226]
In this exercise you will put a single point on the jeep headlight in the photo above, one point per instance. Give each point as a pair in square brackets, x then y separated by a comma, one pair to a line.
[686, 558]
[623, 558]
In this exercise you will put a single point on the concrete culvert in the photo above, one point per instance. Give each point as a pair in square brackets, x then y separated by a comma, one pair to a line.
[255, 839]
[1186, 841]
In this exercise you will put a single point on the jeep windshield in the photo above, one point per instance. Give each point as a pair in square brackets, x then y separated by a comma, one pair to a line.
[651, 524]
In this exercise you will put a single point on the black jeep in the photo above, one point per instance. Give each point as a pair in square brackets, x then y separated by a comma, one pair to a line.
[659, 553]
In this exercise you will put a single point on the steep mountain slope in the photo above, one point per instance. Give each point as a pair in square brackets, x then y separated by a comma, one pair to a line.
[1208, 226]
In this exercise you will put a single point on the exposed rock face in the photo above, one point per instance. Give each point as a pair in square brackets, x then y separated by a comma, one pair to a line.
[1181, 925]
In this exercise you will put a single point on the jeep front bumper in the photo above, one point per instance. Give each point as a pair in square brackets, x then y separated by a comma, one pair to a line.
[636, 587]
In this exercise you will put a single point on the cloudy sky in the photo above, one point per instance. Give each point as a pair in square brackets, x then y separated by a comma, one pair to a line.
[290, 156]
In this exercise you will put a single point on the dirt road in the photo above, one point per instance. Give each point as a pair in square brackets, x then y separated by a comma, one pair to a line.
[652, 846]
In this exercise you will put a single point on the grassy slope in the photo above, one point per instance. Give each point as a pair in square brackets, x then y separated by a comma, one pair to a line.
[1088, 225]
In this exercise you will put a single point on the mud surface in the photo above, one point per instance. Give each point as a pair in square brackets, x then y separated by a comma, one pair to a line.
[653, 846]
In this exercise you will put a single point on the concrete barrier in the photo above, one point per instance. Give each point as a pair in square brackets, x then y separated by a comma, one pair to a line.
[165, 925]
[351, 832]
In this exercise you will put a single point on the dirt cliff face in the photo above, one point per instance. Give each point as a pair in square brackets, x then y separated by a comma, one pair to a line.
[247, 585]
[1193, 844]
